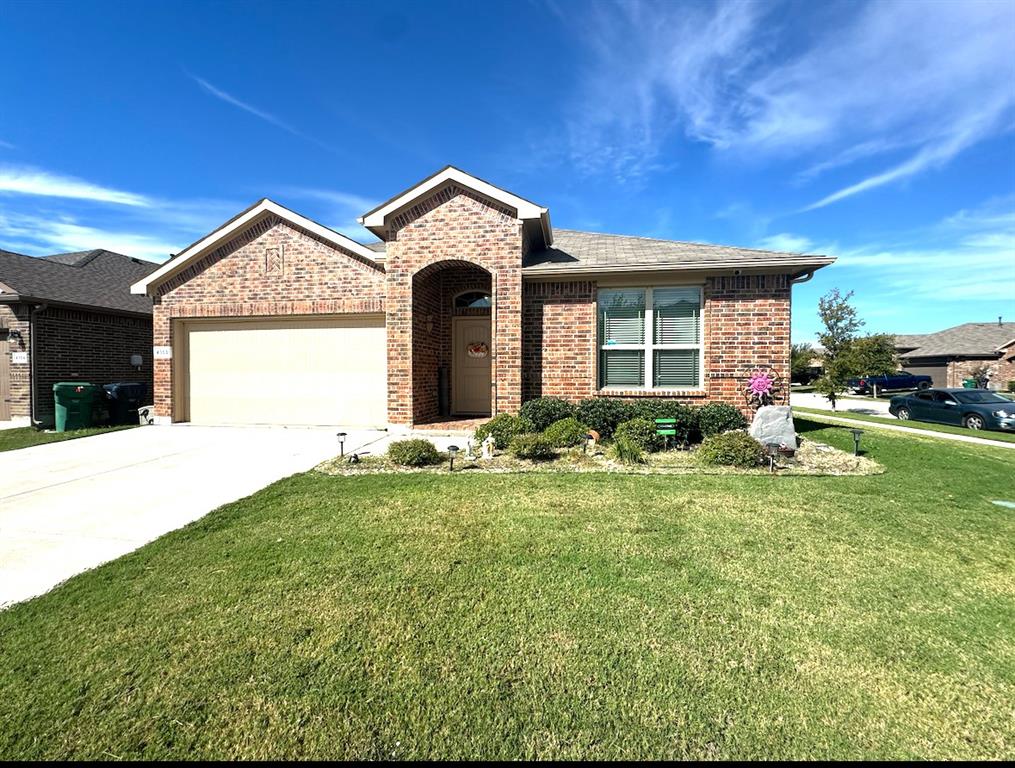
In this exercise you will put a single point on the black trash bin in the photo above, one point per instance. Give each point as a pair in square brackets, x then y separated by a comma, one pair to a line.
[124, 398]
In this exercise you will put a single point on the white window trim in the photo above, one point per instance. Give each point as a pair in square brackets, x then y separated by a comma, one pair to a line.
[647, 346]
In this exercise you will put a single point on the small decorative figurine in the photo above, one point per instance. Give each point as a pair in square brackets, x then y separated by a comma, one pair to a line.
[468, 450]
[488, 445]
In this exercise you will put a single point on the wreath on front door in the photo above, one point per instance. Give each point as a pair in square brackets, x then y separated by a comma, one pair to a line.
[478, 349]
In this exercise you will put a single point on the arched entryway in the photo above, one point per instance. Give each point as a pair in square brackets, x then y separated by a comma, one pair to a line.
[453, 361]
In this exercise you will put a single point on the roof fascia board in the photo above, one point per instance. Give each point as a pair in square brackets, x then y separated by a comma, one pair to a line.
[713, 266]
[525, 209]
[233, 227]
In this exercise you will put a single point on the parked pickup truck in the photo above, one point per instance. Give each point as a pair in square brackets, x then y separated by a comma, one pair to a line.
[892, 381]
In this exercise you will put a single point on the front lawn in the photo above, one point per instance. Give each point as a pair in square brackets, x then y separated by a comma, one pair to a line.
[26, 437]
[550, 616]
[1004, 437]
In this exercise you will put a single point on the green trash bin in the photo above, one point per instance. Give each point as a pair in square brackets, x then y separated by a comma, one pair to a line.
[969, 383]
[74, 401]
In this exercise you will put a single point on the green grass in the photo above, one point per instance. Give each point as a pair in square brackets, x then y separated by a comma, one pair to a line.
[550, 616]
[1004, 437]
[26, 437]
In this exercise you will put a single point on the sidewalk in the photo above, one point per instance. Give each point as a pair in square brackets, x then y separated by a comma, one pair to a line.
[847, 403]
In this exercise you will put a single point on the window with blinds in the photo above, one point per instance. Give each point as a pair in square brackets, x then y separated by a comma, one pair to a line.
[650, 338]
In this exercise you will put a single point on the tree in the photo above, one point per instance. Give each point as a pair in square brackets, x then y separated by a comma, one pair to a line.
[870, 356]
[841, 324]
[801, 356]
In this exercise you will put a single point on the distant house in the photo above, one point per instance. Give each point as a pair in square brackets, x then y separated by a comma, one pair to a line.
[70, 316]
[954, 354]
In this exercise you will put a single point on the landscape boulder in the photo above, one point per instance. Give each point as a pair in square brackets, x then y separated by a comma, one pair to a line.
[774, 424]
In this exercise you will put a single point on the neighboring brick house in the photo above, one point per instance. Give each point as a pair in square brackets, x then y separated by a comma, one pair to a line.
[69, 317]
[962, 352]
[470, 305]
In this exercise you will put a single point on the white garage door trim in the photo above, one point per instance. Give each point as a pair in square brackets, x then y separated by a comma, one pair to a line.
[293, 371]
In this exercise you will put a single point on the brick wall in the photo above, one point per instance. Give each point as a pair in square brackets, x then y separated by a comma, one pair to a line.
[75, 345]
[271, 269]
[15, 317]
[453, 225]
[999, 371]
[746, 324]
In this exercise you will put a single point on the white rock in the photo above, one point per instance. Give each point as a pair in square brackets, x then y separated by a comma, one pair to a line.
[774, 424]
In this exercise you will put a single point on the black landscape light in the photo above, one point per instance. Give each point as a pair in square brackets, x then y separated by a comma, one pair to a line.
[773, 450]
[452, 450]
[341, 444]
[856, 440]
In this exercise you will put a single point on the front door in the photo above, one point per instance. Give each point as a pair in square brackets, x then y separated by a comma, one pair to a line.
[470, 360]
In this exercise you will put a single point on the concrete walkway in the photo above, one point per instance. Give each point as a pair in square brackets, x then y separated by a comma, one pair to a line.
[910, 430]
[67, 507]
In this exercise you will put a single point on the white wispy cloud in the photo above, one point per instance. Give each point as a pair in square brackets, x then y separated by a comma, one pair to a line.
[787, 242]
[41, 235]
[6, 145]
[32, 181]
[969, 256]
[878, 79]
[264, 115]
[341, 209]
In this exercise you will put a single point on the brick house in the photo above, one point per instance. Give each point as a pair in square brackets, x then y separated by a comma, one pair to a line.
[69, 317]
[961, 352]
[470, 304]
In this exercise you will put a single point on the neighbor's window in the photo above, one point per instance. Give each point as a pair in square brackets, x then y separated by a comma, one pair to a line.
[650, 338]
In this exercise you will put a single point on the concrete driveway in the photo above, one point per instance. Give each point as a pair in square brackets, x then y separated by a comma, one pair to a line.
[844, 404]
[67, 507]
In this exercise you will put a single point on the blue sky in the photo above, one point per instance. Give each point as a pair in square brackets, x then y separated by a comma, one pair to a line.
[882, 133]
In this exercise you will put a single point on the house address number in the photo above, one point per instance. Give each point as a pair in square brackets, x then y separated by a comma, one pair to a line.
[19, 357]
[162, 353]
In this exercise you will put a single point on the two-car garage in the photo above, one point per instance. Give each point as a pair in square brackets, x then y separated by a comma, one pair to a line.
[327, 370]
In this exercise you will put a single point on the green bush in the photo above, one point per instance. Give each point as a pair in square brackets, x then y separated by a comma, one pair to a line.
[730, 449]
[504, 428]
[641, 432]
[534, 447]
[566, 433]
[627, 451]
[686, 420]
[602, 414]
[544, 411]
[1011, 386]
[414, 453]
[716, 418]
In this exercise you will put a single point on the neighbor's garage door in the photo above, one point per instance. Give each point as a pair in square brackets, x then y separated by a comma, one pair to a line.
[937, 373]
[286, 371]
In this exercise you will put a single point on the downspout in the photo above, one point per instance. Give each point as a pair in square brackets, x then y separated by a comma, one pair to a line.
[32, 399]
[803, 277]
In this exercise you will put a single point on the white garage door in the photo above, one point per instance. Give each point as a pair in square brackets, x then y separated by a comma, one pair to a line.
[286, 371]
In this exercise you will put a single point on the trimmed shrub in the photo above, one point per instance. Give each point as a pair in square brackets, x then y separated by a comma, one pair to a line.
[716, 418]
[534, 447]
[544, 411]
[566, 433]
[641, 432]
[731, 449]
[627, 452]
[686, 425]
[602, 414]
[504, 428]
[414, 453]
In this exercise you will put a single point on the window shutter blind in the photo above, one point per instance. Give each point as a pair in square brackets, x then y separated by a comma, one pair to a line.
[621, 317]
[621, 368]
[675, 368]
[677, 315]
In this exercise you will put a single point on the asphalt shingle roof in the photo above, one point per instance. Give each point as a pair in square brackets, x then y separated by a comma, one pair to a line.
[96, 278]
[584, 250]
[574, 250]
[966, 339]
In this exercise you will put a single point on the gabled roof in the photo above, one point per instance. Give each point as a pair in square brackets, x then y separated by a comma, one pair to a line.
[99, 279]
[969, 339]
[376, 220]
[238, 224]
[590, 252]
